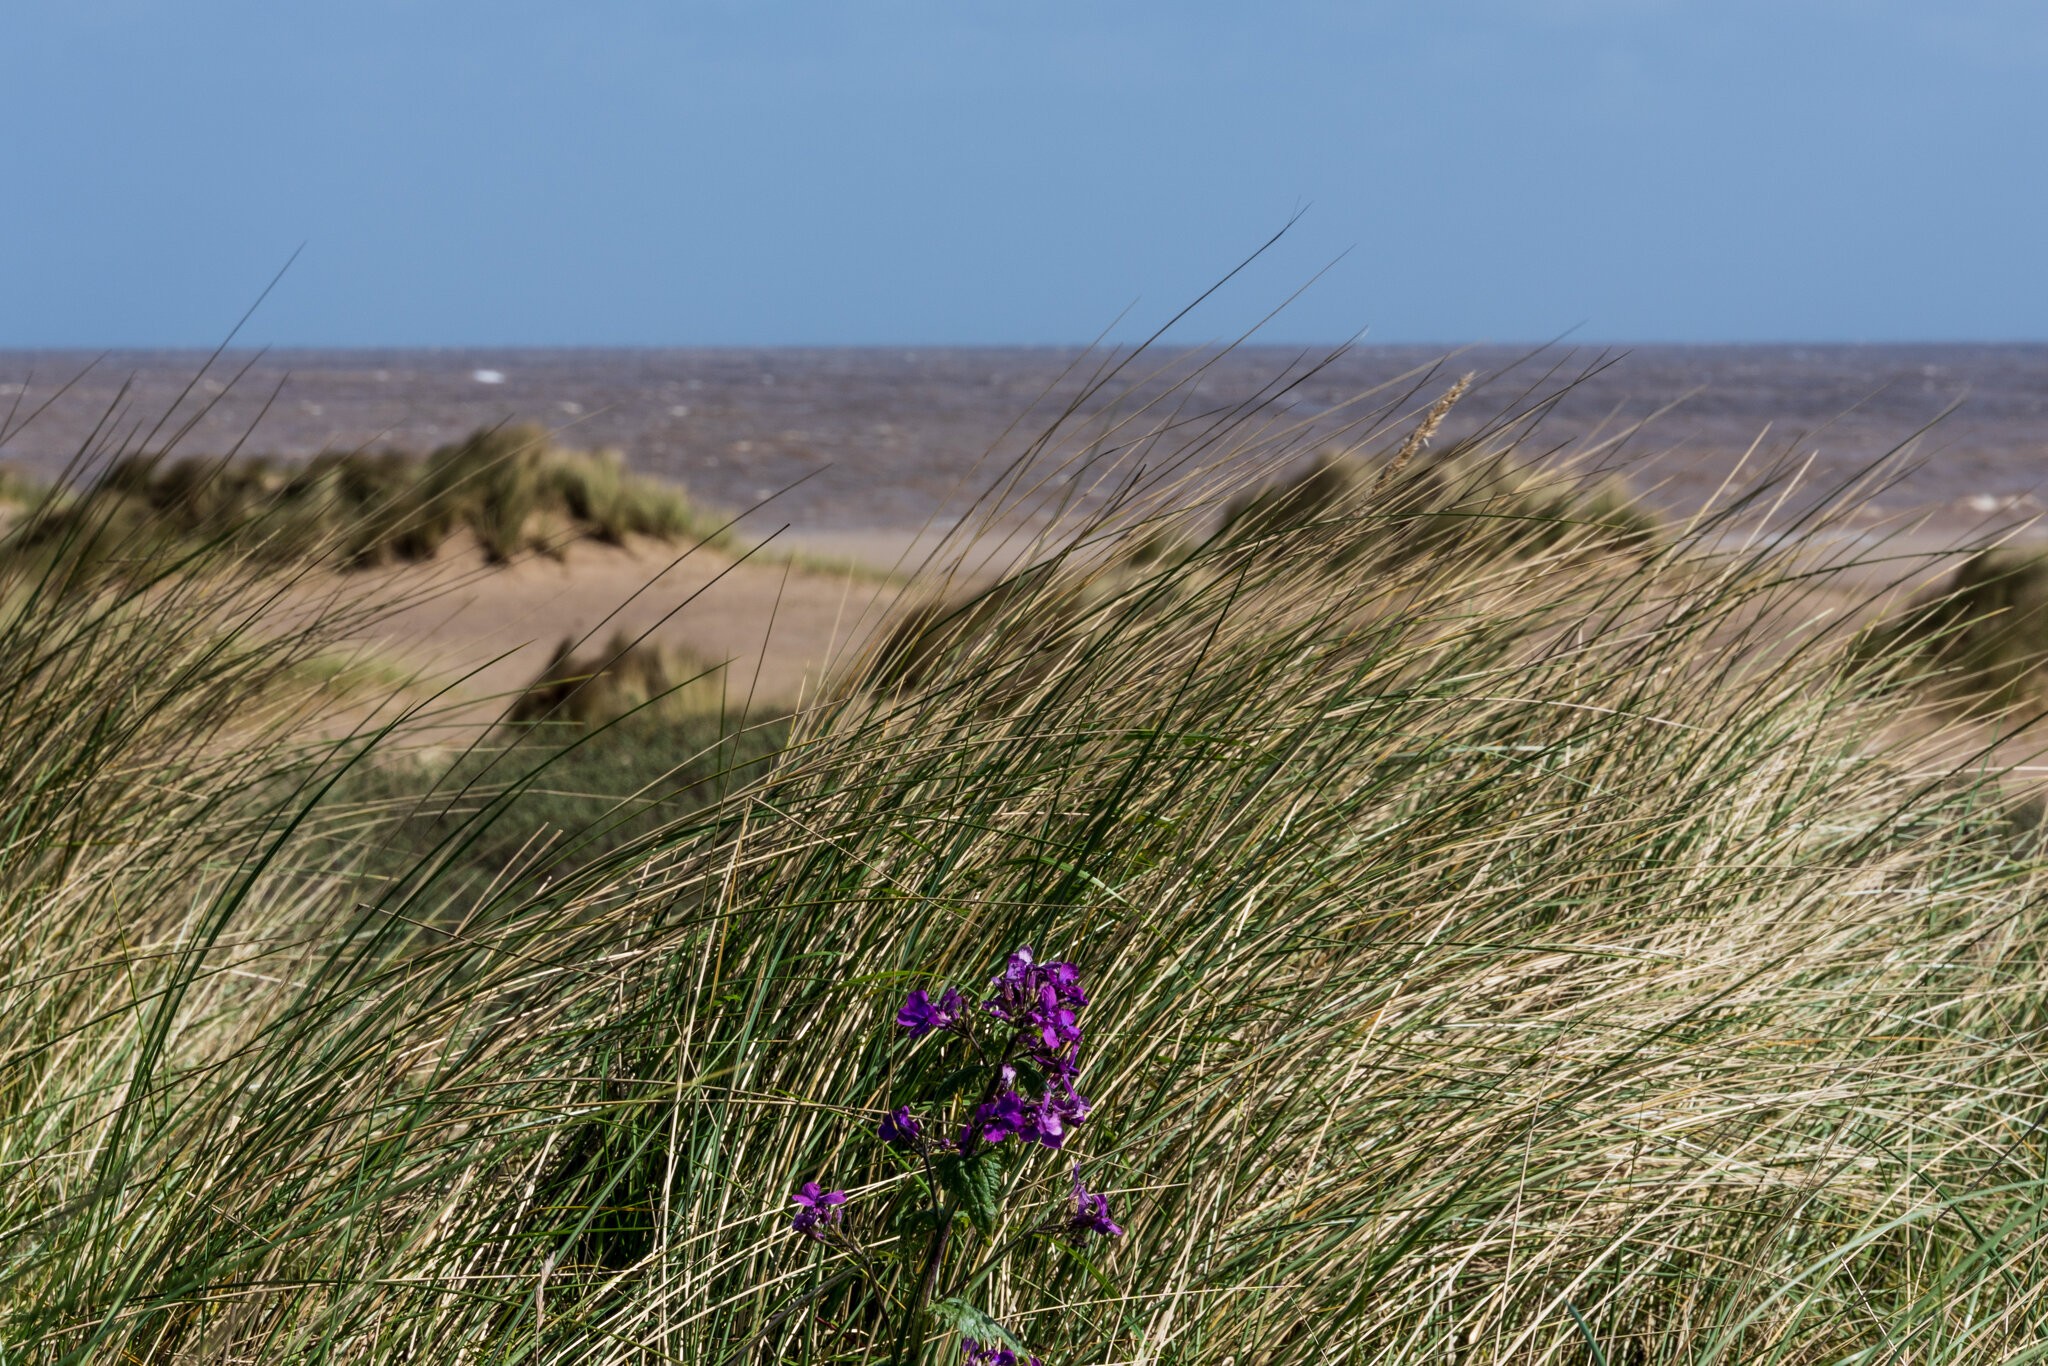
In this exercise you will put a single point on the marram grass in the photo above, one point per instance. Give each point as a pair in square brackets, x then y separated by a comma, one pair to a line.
[1549, 957]
[1981, 633]
[505, 490]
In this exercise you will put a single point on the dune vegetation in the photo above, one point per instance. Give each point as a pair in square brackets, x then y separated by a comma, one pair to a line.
[1981, 632]
[505, 490]
[1513, 930]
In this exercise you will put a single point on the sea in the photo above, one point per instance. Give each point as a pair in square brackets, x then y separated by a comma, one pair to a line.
[868, 439]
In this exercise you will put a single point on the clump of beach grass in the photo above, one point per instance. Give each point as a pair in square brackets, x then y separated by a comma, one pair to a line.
[1471, 501]
[1492, 964]
[624, 675]
[1467, 505]
[19, 489]
[1979, 637]
[507, 490]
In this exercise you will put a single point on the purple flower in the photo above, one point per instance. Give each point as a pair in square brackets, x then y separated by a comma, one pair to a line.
[992, 1355]
[996, 1120]
[817, 1210]
[900, 1128]
[1065, 979]
[1061, 1067]
[1091, 1212]
[1070, 1105]
[1043, 1125]
[1014, 987]
[920, 1015]
[1060, 1109]
[1011, 1115]
[1042, 1000]
[1046, 1127]
[1056, 1025]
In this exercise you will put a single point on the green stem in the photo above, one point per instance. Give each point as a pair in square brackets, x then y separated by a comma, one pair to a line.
[935, 1256]
[911, 1341]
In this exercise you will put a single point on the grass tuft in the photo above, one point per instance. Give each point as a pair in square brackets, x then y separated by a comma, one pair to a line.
[1464, 508]
[1470, 502]
[1981, 636]
[508, 489]
[623, 676]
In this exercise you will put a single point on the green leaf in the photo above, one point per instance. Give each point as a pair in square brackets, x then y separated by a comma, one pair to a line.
[975, 1186]
[965, 1319]
[1087, 1264]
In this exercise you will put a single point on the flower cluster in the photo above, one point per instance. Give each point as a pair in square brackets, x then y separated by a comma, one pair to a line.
[1029, 1065]
[901, 1129]
[817, 1210]
[1041, 1002]
[1013, 1114]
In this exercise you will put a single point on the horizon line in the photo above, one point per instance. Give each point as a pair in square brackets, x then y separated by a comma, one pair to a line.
[1359, 344]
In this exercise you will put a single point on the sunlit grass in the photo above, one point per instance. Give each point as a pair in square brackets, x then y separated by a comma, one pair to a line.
[1558, 955]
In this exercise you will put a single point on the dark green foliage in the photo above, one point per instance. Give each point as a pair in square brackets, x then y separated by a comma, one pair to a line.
[590, 794]
[623, 676]
[958, 1316]
[974, 1186]
[509, 488]
[1981, 635]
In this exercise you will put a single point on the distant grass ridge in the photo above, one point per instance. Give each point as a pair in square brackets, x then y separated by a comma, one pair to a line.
[1345, 513]
[1980, 637]
[509, 489]
[1467, 502]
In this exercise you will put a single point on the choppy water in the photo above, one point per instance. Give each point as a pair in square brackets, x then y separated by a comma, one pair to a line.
[875, 438]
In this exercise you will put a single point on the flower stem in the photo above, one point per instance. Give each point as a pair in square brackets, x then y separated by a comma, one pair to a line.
[935, 1257]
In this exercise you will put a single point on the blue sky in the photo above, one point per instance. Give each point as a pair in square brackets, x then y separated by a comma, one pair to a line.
[969, 172]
